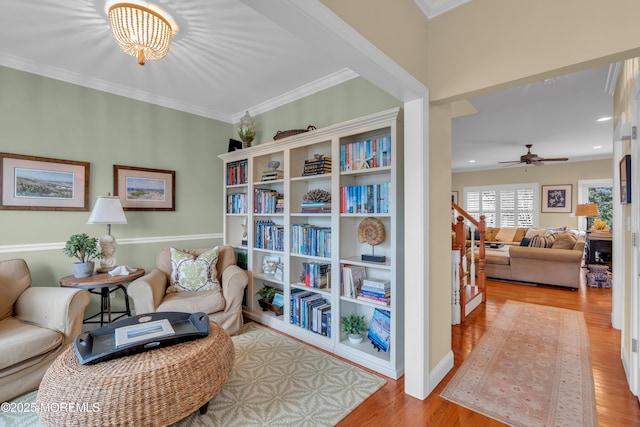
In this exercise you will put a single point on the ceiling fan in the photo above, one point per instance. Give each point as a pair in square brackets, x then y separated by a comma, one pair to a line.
[533, 159]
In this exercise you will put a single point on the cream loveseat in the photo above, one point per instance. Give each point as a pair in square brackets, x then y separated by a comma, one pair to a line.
[36, 325]
[541, 256]
[224, 305]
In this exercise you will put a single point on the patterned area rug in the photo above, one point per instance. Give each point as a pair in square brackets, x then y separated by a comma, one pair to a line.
[531, 368]
[276, 381]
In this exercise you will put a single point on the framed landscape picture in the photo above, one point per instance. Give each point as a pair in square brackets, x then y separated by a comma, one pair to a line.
[556, 198]
[44, 184]
[144, 189]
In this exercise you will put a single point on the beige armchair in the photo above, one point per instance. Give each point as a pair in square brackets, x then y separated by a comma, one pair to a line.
[36, 324]
[149, 293]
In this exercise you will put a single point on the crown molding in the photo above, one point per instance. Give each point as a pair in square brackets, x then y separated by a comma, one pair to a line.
[433, 8]
[326, 82]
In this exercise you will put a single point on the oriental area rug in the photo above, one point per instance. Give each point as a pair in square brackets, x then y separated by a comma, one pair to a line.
[275, 381]
[530, 368]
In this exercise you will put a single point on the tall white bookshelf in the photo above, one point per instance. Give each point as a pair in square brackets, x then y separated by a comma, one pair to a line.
[372, 174]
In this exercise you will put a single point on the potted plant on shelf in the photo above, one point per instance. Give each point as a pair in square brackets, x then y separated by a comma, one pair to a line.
[354, 326]
[266, 294]
[85, 249]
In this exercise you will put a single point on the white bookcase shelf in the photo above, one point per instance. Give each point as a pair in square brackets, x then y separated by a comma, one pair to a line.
[374, 173]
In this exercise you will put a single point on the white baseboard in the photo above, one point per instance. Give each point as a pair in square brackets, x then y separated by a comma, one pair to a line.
[440, 371]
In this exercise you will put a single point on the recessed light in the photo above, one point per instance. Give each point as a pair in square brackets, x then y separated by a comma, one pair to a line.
[597, 147]
[604, 119]
[472, 161]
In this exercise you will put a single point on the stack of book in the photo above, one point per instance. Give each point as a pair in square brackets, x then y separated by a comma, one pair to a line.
[316, 275]
[267, 201]
[317, 166]
[310, 311]
[316, 207]
[272, 175]
[352, 277]
[376, 292]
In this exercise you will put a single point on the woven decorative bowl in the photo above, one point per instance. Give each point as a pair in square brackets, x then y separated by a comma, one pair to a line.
[286, 133]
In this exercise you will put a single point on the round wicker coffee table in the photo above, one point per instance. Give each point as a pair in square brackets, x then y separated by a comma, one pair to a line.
[154, 388]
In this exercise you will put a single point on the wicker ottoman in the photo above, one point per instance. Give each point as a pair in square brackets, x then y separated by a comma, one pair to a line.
[154, 388]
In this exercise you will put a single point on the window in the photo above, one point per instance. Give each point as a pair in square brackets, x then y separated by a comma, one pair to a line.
[599, 191]
[512, 205]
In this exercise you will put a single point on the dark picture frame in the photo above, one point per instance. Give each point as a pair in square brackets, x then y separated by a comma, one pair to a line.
[43, 184]
[625, 179]
[145, 189]
[556, 198]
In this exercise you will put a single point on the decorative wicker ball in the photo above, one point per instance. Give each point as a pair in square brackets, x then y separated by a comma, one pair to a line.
[371, 231]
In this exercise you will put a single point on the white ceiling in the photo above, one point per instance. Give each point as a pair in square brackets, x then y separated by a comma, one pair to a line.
[228, 58]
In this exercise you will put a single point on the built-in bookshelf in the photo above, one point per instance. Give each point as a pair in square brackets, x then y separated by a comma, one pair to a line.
[301, 201]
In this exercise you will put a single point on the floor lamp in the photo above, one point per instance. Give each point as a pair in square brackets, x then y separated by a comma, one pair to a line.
[107, 210]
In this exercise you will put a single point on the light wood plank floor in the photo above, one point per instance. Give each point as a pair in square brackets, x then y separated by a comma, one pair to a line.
[616, 405]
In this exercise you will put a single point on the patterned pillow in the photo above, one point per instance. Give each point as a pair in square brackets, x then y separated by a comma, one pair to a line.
[565, 240]
[189, 273]
[542, 241]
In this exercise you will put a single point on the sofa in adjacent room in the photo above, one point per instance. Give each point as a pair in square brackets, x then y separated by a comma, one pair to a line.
[540, 256]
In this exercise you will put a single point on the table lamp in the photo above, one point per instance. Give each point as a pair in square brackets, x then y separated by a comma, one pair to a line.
[587, 210]
[107, 210]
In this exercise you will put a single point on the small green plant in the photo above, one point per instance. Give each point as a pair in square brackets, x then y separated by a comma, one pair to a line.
[266, 292]
[82, 247]
[353, 324]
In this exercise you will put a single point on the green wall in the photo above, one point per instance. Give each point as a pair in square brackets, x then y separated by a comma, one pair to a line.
[49, 118]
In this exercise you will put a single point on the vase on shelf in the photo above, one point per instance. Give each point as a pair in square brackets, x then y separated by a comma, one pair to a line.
[247, 130]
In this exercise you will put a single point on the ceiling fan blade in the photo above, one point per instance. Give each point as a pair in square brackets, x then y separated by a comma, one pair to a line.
[557, 159]
[537, 163]
[509, 164]
[513, 161]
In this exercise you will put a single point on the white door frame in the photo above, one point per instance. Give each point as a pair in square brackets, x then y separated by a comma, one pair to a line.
[632, 226]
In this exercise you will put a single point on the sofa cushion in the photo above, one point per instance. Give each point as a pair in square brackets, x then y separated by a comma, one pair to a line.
[192, 302]
[15, 278]
[190, 273]
[492, 256]
[505, 234]
[542, 241]
[23, 343]
[520, 232]
[564, 240]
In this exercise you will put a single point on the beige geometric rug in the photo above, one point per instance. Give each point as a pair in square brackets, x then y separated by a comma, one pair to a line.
[530, 368]
[275, 381]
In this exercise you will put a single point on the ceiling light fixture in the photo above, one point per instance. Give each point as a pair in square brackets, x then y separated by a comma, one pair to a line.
[141, 29]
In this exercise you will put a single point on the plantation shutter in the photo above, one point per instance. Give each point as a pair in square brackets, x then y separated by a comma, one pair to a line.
[503, 205]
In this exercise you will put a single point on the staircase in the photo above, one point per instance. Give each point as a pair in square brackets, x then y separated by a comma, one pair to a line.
[467, 285]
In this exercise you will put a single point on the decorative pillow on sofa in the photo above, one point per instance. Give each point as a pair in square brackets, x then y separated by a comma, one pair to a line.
[532, 232]
[506, 234]
[566, 240]
[520, 232]
[525, 241]
[190, 273]
[542, 241]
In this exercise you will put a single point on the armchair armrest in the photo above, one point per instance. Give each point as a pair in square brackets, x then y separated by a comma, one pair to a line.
[147, 291]
[60, 309]
[234, 280]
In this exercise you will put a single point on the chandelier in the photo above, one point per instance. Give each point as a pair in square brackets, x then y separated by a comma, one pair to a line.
[141, 29]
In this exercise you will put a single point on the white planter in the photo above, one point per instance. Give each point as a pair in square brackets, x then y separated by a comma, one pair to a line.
[355, 339]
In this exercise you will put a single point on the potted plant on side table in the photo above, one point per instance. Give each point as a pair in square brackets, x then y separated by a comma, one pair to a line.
[85, 249]
[354, 326]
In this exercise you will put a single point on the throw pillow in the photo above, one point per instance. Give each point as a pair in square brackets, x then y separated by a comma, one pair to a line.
[535, 232]
[542, 241]
[520, 232]
[525, 241]
[190, 273]
[550, 228]
[490, 234]
[506, 234]
[564, 240]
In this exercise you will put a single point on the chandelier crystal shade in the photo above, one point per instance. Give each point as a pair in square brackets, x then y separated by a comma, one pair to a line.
[141, 29]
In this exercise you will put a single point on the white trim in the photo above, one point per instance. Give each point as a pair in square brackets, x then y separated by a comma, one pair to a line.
[612, 78]
[325, 82]
[433, 8]
[56, 246]
[442, 368]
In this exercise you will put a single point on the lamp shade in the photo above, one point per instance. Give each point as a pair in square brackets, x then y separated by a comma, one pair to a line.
[107, 210]
[587, 209]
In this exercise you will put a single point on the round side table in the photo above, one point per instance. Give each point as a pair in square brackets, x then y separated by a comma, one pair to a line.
[153, 388]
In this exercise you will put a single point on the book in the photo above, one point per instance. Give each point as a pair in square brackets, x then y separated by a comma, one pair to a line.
[352, 276]
[380, 329]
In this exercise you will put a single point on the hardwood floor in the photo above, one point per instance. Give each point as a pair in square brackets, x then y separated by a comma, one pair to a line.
[616, 405]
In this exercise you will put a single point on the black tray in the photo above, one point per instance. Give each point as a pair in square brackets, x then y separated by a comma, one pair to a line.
[100, 344]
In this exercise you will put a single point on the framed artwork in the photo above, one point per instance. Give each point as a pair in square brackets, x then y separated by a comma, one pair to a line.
[43, 184]
[625, 179]
[144, 189]
[556, 198]
[454, 197]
